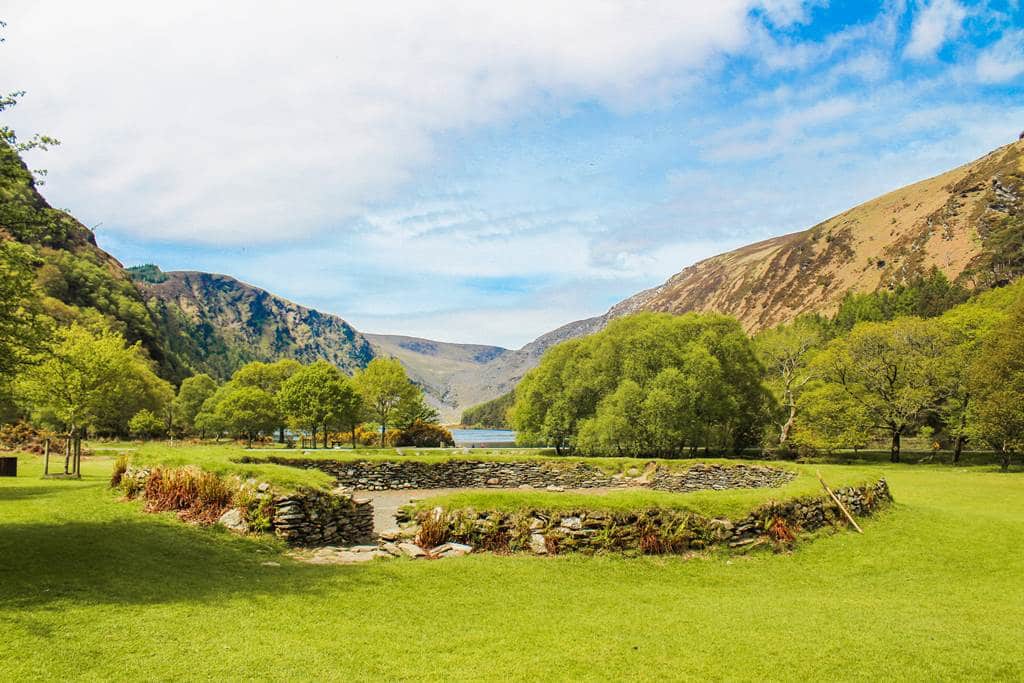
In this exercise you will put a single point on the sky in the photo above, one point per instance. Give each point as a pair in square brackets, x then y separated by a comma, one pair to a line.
[486, 172]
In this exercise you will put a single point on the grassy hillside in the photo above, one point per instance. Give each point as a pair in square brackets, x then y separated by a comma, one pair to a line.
[491, 414]
[966, 222]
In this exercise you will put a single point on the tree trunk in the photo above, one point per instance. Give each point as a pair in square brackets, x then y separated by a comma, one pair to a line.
[894, 452]
[313, 430]
[1005, 464]
[959, 449]
[787, 427]
[353, 437]
[383, 428]
[280, 434]
[250, 439]
[327, 443]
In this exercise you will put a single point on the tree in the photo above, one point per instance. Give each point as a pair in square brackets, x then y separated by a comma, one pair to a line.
[383, 386]
[22, 328]
[892, 370]
[414, 408]
[192, 394]
[613, 391]
[968, 327]
[92, 381]
[830, 419]
[248, 411]
[7, 134]
[318, 396]
[145, 424]
[996, 383]
[267, 376]
[786, 352]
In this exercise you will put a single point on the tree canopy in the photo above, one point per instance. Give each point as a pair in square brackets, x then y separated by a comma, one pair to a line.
[93, 381]
[384, 387]
[648, 384]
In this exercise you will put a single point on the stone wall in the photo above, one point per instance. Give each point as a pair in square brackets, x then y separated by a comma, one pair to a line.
[309, 517]
[651, 531]
[719, 478]
[412, 474]
[306, 517]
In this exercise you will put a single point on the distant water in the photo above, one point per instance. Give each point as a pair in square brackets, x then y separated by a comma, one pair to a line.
[465, 437]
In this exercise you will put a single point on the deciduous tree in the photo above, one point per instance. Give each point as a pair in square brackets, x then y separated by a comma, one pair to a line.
[383, 386]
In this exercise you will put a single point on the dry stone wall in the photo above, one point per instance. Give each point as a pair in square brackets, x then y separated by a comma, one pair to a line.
[412, 474]
[309, 517]
[651, 531]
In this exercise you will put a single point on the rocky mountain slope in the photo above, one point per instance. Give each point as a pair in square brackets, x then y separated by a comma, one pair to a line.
[217, 323]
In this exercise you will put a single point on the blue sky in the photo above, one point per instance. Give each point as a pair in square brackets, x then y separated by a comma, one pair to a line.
[470, 172]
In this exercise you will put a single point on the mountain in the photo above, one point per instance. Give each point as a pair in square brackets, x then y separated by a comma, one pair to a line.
[956, 222]
[966, 222]
[216, 323]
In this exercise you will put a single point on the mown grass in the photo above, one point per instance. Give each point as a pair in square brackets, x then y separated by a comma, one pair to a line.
[94, 589]
[732, 503]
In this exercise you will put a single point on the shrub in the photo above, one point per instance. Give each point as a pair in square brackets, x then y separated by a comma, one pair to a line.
[369, 435]
[424, 435]
[21, 436]
[145, 424]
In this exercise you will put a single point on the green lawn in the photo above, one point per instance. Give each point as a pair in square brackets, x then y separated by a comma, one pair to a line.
[93, 588]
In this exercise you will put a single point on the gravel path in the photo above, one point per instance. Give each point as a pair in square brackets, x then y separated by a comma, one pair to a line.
[386, 503]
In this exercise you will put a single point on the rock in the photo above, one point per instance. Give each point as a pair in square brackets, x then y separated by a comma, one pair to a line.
[412, 550]
[538, 545]
[556, 489]
[526, 486]
[271, 564]
[572, 523]
[391, 534]
[493, 481]
[263, 487]
[536, 524]
[392, 549]
[451, 550]
[363, 548]
[234, 520]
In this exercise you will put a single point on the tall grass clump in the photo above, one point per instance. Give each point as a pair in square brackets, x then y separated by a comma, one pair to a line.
[120, 467]
[195, 494]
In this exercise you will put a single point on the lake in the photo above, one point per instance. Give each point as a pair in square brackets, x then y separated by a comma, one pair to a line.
[489, 437]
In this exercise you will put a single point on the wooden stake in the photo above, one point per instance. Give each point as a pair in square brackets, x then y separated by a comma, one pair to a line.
[839, 503]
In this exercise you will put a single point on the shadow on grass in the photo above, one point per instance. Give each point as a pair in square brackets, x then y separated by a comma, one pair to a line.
[12, 493]
[131, 562]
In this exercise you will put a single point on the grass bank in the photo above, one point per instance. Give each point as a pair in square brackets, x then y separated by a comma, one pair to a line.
[94, 589]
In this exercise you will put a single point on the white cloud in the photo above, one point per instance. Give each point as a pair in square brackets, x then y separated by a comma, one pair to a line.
[248, 121]
[936, 23]
[1004, 61]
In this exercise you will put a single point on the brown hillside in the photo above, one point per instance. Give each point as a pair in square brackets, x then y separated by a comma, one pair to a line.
[939, 222]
